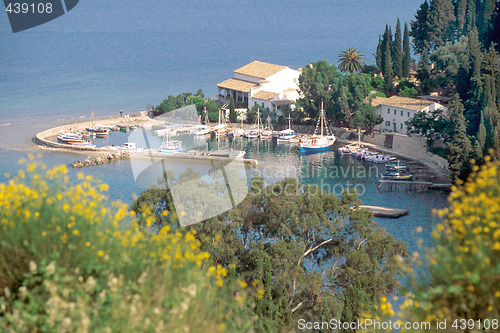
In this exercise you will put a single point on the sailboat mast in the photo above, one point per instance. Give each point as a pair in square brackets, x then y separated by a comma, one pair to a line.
[289, 121]
[322, 113]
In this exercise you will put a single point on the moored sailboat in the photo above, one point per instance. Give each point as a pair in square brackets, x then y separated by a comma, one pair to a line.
[322, 139]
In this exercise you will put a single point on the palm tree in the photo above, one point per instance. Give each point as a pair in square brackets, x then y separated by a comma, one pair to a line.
[350, 60]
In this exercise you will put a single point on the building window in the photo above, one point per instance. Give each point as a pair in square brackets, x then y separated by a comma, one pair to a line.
[388, 110]
[388, 123]
[262, 104]
[254, 103]
[395, 112]
[408, 114]
[401, 126]
[401, 113]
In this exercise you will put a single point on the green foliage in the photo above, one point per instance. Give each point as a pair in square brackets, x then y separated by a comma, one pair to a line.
[459, 145]
[378, 83]
[397, 53]
[303, 247]
[387, 64]
[420, 28]
[233, 117]
[367, 118]
[433, 125]
[463, 267]
[423, 72]
[174, 102]
[408, 92]
[350, 61]
[442, 20]
[406, 62]
[71, 261]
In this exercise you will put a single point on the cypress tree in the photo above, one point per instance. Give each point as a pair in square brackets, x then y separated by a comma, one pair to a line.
[459, 145]
[378, 54]
[397, 54]
[477, 151]
[481, 134]
[406, 62]
[486, 9]
[386, 42]
[424, 71]
[420, 28]
[387, 65]
[470, 16]
[461, 10]
[442, 18]
[233, 117]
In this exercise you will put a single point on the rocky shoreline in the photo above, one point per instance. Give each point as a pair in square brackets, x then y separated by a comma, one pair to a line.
[99, 160]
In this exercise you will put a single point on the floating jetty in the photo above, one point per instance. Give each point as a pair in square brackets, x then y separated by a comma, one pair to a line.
[386, 212]
[398, 185]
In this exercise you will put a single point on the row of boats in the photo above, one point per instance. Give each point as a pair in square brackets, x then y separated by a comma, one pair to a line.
[395, 169]
[83, 139]
[322, 139]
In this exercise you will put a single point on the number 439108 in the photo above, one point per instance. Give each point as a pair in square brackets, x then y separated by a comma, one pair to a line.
[32, 8]
[485, 324]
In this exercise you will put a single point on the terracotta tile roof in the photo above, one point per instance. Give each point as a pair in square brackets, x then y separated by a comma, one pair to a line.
[283, 102]
[265, 95]
[260, 69]
[402, 102]
[238, 85]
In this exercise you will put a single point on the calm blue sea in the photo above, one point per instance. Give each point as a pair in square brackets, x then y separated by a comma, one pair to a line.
[109, 56]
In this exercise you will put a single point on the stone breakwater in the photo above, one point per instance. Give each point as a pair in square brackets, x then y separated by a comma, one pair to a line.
[100, 159]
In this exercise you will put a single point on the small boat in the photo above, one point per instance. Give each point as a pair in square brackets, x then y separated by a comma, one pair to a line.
[170, 146]
[122, 128]
[86, 144]
[397, 177]
[396, 165]
[221, 128]
[254, 133]
[318, 142]
[379, 158]
[349, 149]
[199, 130]
[129, 146]
[267, 132]
[287, 135]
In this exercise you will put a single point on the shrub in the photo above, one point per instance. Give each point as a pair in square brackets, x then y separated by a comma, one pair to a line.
[72, 261]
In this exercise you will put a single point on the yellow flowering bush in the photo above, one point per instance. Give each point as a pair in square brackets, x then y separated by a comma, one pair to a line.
[460, 289]
[72, 261]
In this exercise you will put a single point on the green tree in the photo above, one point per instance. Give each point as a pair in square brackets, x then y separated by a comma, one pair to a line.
[461, 278]
[350, 61]
[470, 16]
[387, 64]
[433, 125]
[233, 117]
[442, 19]
[424, 72]
[367, 118]
[304, 246]
[460, 15]
[397, 53]
[459, 145]
[406, 62]
[378, 54]
[318, 82]
[420, 28]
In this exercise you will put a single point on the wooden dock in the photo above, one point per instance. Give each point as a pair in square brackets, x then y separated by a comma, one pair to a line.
[397, 185]
[386, 212]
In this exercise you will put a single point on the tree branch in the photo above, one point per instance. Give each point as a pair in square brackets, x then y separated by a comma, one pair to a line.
[316, 247]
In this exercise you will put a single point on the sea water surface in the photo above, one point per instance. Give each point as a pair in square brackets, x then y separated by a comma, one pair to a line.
[125, 55]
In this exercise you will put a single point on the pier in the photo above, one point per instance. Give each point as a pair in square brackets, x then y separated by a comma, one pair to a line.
[397, 185]
[386, 212]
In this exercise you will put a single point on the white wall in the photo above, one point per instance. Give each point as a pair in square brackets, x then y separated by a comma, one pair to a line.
[281, 81]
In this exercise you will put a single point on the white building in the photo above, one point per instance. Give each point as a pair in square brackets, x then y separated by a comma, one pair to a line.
[271, 86]
[396, 110]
